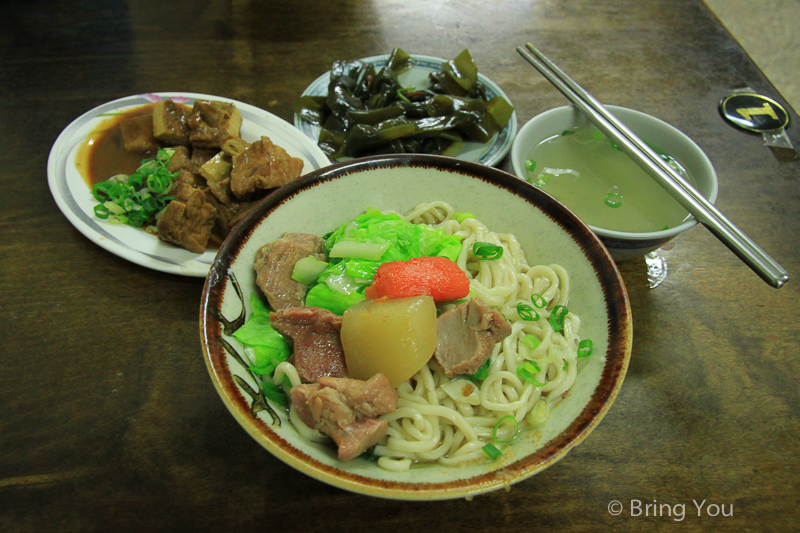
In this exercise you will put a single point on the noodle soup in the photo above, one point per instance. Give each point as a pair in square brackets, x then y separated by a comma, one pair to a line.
[443, 418]
[548, 234]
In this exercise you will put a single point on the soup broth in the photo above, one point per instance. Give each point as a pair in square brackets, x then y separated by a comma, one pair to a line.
[587, 172]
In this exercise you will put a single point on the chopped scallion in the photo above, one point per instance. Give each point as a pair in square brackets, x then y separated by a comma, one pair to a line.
[557, 317]
[136, 199]
[527, 371]
[526, 312]
[274, 393]
[492, 451]
[585, 348]
[538, 301]
[482, 373]
[530, 341]
[487, 251]
[509, 419]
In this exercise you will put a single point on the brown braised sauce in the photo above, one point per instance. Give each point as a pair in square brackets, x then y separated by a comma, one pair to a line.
[103, 155]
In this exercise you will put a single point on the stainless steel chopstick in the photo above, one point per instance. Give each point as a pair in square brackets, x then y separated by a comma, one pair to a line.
[705, 212]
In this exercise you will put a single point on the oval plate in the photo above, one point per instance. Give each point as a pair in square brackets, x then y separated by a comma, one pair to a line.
[489, 153]
[75, 199]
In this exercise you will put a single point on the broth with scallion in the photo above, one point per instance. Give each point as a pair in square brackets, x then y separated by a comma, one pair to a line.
[587, 172]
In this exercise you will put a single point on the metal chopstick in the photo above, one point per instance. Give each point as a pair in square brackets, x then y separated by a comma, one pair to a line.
[705, 212]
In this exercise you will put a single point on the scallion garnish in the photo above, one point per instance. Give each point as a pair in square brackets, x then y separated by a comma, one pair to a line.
[527, 371]
[506, 419]
[492, 451]
[585, 348]
[136, 199]
[613, 200]
[538, 301]
[487, 251]
[530, 341]
[557, 317]
[482, 373]
[526, 312]
[274, 393]
[530, 165]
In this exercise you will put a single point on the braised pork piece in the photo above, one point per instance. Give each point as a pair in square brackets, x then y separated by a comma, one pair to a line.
[347, 410]
[221, 177]
[467, 335]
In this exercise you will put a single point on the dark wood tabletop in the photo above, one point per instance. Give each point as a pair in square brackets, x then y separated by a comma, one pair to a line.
[109, 420]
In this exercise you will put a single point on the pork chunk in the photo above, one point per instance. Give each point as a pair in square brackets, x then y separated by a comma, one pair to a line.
[261, 166]
[275, 263]
[211, 122]
[315, 336]
[347, 410]
[180, 160]
[187, 219]
[466, 336]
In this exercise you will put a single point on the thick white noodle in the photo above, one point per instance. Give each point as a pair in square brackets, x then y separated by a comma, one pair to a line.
[430, 425]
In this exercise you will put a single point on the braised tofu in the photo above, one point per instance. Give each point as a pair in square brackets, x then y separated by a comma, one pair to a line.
[137, 134]
[180, 160]
[200, 157]
[169, 123]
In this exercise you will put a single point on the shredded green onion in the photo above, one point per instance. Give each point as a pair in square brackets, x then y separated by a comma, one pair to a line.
[531, 342]
[566, 366]
[530, 165]
[136, 199]
[526, 312]
[274, 393]
[482, 373]
[585, 348]
[487, 251]
[613, 200]
[538, 301]
[510, 419]
[557, 317]
[527, 371]
[492, 451]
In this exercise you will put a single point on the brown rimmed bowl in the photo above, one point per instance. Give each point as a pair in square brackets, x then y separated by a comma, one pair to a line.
[548, 232]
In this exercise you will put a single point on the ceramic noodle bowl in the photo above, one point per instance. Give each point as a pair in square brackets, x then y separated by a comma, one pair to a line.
[321, 201]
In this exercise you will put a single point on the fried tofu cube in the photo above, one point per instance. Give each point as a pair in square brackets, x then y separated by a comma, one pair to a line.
[169, 123]
[137, 134]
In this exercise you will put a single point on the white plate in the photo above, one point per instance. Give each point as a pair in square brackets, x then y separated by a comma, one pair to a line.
[489, 153]
[75, 199]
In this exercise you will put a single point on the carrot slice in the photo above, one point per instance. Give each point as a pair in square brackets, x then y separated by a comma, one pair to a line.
[438, 277]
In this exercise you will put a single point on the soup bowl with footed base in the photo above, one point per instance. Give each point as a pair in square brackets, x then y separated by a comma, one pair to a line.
[324, 200]
[623, 245]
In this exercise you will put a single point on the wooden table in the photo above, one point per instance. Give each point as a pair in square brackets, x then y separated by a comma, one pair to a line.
[109, 419]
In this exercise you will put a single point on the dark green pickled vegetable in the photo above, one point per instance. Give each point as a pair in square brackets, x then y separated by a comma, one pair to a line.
[368, 111]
